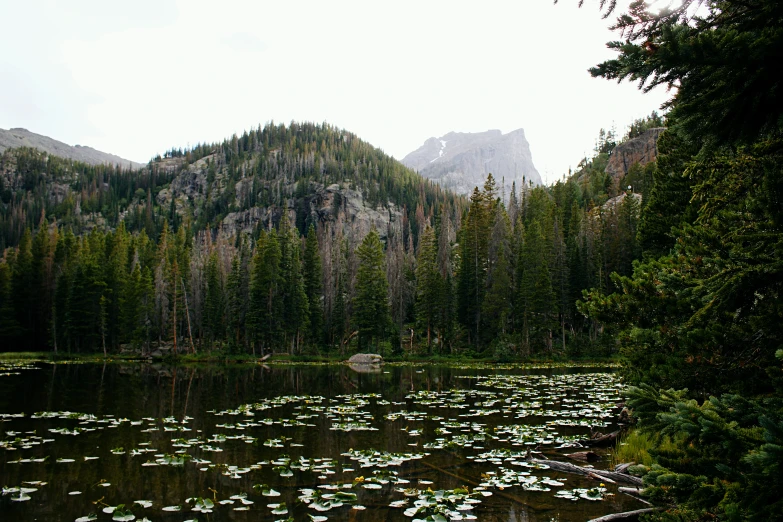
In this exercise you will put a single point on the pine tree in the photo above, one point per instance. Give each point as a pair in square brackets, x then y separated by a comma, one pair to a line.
[313, 275]
[473, 264]
[445, 312]
[23, 281]
[265, 312]
[214, 301]
[116, 280]
[498, 299]
[720, 61]
[130, 308]
[428, 284]
[10, 330]
[371, 303]
[535, 299]
[237, 297]
[292, 288]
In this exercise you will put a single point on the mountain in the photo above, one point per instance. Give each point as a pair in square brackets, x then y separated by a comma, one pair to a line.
[461, 161]
[15, 138]
[316, 174]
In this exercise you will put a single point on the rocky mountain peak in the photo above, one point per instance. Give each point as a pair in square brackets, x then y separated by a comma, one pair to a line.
[461, 161]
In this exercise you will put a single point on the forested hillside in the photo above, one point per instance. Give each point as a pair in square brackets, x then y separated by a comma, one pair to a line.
[272, 241]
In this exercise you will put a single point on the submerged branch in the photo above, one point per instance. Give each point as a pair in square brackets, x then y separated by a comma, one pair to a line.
[608, 476]
[625, 515]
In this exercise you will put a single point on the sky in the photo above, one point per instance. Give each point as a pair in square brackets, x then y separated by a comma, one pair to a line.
[137, 78]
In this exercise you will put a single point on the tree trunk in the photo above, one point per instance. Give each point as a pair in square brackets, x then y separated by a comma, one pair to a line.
[187, 315]
[54, 329]
[175, 317]
[562, 331]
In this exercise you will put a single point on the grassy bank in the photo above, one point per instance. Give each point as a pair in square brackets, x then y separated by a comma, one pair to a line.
[218, 357]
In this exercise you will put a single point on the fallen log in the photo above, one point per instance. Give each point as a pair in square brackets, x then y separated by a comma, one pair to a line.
[623, 468]
[626, 515]
[602, 440]
[601, 473]
[600, 478]
[635, 493]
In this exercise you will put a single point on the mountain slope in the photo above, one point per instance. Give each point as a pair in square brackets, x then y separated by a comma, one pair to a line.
[15, 138]
[461, 161]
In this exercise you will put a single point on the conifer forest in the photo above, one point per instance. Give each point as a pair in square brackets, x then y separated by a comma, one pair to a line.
[303, 240]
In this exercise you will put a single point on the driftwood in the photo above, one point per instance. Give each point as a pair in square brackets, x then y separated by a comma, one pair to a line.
[623, 468]
[265, 357]
[600, 474]
[627, 515]
[635, 493]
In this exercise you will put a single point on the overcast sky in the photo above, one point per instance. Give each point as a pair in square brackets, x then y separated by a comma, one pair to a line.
[136, 78]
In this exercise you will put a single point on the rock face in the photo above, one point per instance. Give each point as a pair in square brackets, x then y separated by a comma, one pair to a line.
[336, 205]
[24, 138]
[642, 150]
[616, 201]
[460, 161]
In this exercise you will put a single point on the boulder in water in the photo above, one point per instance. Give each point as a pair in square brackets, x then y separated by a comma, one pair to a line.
[366, 358]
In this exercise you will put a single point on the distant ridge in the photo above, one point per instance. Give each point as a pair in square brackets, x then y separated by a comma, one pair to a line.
[19, 137]
[461, 161]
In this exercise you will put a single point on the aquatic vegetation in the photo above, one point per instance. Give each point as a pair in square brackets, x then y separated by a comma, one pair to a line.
[598, 493]
[484, 422]
[441, 506]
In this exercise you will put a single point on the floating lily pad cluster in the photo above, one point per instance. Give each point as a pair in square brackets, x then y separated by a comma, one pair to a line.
[440, 505]
[22, 493]
[9, 368]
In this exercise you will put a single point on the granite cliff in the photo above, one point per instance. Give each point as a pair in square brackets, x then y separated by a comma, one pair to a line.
[461, 161]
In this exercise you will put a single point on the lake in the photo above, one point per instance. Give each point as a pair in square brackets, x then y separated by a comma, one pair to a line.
[300, 442]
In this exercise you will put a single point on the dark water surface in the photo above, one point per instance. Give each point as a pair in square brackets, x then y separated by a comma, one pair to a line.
[119, 433]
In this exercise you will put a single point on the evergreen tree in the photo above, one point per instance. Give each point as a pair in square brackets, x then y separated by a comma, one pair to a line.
[446, 311]
[10, 330]
[722, 62]
[535, 299]
[214, 301]
[498, 299]
[237, 297]
[23, 281]
[371, 303]
[265, 312]
[473, 264]
[428, 284]
[313, 273]
[292, 287]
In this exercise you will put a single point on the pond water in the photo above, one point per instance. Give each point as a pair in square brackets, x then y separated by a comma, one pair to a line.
[299, 442]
